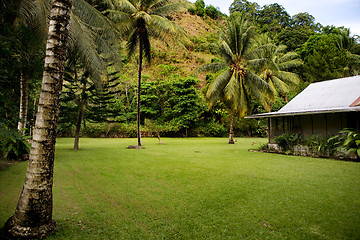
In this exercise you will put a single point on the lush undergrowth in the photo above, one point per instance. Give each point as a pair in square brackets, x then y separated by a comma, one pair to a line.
[200, 188]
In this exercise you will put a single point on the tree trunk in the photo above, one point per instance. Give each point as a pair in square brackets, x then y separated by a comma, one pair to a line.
[78, 125]
[139, 93]
[33, 215]
[80, 117]
[24, 100]
[231, 134]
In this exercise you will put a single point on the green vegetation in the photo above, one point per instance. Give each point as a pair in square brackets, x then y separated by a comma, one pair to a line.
[194, 189]
[345, 145]
[178, 101]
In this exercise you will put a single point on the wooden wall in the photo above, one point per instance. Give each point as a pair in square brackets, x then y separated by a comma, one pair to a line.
[326, 125]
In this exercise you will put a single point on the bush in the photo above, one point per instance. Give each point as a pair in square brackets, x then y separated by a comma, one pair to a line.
[212, 12]
[287, 141]
[351, 141]
[192, 10]
[13, 145]
[214, 129]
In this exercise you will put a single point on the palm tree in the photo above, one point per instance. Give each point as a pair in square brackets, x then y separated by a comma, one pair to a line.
[274, 65]
[91, 38]
[140, 20]
[349, 44]
[236, 81]
[33, 215]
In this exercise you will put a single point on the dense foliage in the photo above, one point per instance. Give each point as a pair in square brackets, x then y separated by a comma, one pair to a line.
[344, 145]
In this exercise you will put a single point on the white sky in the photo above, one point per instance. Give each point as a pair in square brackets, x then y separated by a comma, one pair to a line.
[326, 12]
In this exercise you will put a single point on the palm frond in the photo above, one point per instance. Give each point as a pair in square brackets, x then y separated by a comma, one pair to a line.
[216, 88]
[124, 6]
[260, 84]
[146, 45]
[290, 64]
[231, 90]
[82, 45]
[163, 29]
[280, 49]
[34, 14]
[226, 52]
[166, 9]
[214, 67]
[279, 84]
[258, 92]
[132, 43]
[288, 56]
[291, 79]
[92, 17]
[116, 16]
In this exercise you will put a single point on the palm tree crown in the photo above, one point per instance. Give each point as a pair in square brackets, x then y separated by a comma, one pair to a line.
[237, 80]
[274, 64]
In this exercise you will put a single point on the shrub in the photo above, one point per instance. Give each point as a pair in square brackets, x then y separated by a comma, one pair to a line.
[192, 10]
[13, 145]
[214, 129]
[317, 145]
[263, 147]
[351, 141]
[287, 141]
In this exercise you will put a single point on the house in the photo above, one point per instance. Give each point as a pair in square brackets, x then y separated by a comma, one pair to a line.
[323, 108]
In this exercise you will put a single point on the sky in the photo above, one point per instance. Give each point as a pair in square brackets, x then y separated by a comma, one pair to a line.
[326, 12]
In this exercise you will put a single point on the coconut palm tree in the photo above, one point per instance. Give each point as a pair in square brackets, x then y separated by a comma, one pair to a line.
[92, 38]
[33, 215]
[275, 65]
[236, 81]
[140, 21]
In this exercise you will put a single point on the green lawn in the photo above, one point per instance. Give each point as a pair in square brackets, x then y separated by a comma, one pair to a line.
[194, 188]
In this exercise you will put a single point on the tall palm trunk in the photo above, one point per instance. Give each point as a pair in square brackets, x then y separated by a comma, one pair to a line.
[231, 133]
[24, 100]
[33, 215]
[139, 92]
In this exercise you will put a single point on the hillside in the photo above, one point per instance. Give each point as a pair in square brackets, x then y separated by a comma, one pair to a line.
[181, 59]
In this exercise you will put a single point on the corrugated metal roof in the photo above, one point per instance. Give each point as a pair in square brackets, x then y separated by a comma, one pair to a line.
[339, 95]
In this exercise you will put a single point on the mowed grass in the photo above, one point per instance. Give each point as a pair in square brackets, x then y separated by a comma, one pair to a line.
[194, 188]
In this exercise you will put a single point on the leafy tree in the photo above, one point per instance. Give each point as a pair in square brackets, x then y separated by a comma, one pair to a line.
[173, 105]
[213, 12]
[294, 38]
[245, 7]
[323, 60]
[303, 20]
[237, 80]
[200, 7]
[83, 101]
[141, 20]
[33, 215]
[272, 18]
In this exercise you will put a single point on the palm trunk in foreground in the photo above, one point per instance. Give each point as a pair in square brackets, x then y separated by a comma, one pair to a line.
[139, 93]
[24, 99]
[231, 134]
[33, 215]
